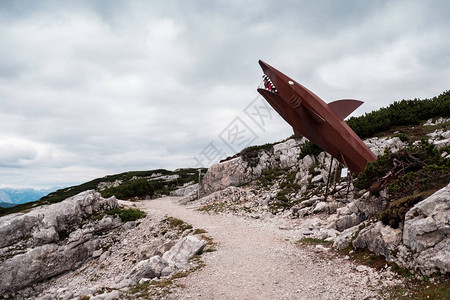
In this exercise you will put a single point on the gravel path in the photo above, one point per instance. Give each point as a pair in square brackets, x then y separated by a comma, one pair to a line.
[257, 260]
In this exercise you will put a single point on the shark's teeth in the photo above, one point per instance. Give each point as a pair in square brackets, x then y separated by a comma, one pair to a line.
[268, 84]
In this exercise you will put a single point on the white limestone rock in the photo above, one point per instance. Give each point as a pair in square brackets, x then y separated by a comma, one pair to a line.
[345, 238]
[321, 207]
[185, 190]
[184, 250]
[379, 239]
[377, 145]
[437, 122]
[149, 268]
[51, 239]
[427, 232]
[346, 221]
[237, 171]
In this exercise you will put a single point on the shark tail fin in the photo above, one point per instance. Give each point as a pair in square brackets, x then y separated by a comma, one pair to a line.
[344, 107]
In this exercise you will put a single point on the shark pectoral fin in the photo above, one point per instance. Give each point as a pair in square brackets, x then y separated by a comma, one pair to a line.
[316, 117]
[344, 107]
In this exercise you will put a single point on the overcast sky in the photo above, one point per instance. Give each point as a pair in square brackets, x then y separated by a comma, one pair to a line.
[90, 88]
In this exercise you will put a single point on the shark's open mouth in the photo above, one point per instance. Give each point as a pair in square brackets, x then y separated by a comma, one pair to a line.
[268, 85]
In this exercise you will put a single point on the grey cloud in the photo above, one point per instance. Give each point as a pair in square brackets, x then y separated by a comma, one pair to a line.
[107, 86]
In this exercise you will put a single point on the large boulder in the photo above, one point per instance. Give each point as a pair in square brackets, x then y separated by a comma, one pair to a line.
[345, 238]
[427, 230]
[229, 173]
[149, 268]
[42, 262]
[238, 171]
[428, 222]
[379, 239]
[422, 245]
[347, 221]
[186, 248]
[185, 190]
[48, 241]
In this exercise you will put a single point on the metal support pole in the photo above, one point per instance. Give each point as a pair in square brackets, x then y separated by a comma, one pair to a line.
[199, 174]
[348, 177]
[328, 179]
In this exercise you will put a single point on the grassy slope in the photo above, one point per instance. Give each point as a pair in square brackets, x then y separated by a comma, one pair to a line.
[186, 175]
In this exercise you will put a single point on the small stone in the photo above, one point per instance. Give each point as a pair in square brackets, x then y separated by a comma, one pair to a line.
[317, 178]
[144, 280]
[97, 253]
[362, 268]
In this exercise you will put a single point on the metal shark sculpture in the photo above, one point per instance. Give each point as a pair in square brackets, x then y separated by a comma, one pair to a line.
[310, 116]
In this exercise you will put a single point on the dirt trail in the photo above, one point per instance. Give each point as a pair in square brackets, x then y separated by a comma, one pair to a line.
[257, 260]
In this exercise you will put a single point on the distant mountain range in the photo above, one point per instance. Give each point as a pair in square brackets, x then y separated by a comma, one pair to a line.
[10, 196]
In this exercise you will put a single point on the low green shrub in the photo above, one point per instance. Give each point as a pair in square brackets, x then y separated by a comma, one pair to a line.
[309, 148]
[130, 189]
[127, 214]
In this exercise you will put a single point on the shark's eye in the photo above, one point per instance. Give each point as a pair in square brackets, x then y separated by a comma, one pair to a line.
[290, 82]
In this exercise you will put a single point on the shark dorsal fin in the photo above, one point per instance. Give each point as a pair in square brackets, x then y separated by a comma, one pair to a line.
[344, 107]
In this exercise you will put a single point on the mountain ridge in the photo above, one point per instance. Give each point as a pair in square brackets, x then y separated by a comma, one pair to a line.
[17, 196]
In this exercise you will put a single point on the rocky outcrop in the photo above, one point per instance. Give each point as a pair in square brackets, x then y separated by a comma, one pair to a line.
[48, 240]
[149, 268]
[44, 224]
[238, 171]
[437, 122]
[241, 170]
[185, 190]
[422, 244]
[377, 145]
[379, 239]
[427, 231]
[440, 138]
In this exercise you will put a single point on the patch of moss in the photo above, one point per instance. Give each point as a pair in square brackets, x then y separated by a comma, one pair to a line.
[313, 241]
[213, 207]
[400, 271]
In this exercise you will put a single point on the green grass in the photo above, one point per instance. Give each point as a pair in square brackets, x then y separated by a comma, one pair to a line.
[313, 241]
[199, 231]
[213, 207]
[177, 223]
[365, 257]
[424, 289]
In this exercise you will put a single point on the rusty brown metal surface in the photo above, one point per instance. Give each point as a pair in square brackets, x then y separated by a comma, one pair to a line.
[310, 116]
